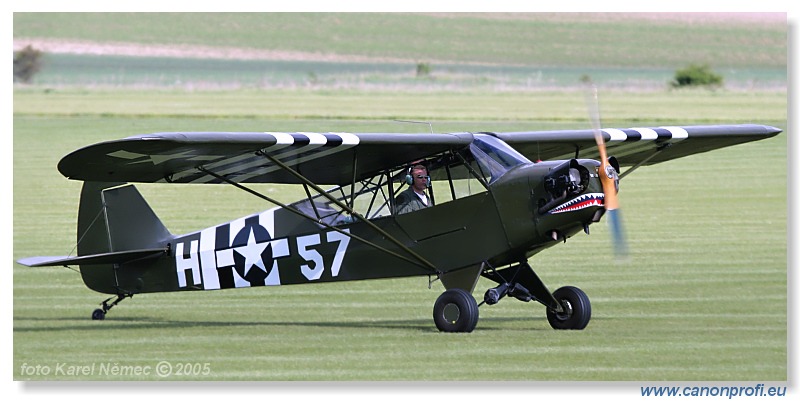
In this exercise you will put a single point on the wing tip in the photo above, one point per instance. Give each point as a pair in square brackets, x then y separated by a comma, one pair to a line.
[773, 131]
[763, 131]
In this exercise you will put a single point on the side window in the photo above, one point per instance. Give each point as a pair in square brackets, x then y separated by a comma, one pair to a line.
[456, 181]
[369, 198]
[494, 156]
[372, 198]
[452, 177]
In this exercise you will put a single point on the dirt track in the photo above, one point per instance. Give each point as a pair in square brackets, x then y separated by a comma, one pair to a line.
[184, 51]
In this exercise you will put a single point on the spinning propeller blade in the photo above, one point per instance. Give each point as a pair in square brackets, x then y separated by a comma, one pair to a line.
[609, 178]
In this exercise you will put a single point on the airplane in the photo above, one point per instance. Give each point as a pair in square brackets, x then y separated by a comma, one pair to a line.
[496, 199]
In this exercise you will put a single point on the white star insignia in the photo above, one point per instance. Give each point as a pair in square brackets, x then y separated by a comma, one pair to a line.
[252, 253]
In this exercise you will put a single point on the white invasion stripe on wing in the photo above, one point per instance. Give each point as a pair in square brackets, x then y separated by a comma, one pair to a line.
[315, 140]
[283, 140]
[348, 140]
[678, 133]
[647, 133]
[616, 134]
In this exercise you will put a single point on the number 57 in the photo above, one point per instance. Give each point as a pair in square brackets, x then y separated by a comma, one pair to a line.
[317, 266]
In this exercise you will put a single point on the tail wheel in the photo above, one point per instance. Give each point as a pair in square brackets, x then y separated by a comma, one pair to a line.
[577, 309]
[455, 311]
[98, 314]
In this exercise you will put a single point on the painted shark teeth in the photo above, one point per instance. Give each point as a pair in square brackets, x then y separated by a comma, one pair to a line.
[579, 203]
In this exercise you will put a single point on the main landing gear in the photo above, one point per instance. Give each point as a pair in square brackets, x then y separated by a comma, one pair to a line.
[100, 314]
[568, 308]
[576, 309]
[455, 311]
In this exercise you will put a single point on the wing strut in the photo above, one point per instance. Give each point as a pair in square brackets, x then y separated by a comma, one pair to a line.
[644, 161]
[425, 262]
[310, 218]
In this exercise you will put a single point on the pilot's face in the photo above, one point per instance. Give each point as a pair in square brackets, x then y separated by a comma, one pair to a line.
[420, 179]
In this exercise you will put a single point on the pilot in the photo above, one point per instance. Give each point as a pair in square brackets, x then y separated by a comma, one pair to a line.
[414, 198]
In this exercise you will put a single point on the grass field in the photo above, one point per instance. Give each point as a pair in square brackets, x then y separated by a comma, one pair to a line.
[541, 39]
[519, 52]
[703, 297]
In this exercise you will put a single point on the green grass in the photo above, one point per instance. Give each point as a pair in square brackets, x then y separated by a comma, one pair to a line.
[539, 39]
[702, 298]
[508, 108]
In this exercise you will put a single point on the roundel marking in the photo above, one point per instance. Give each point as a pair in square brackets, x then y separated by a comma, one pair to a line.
[253, 258]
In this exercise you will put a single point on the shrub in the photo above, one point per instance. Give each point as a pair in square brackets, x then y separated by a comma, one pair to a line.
[423, 69]
[696, 75]
[27, 62]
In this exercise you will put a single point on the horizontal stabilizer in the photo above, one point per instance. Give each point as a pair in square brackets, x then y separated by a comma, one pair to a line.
[100, 258]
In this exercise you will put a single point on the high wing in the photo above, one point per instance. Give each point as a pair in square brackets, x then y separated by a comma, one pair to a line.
[635, 146]
[323, 158]
[340, 158]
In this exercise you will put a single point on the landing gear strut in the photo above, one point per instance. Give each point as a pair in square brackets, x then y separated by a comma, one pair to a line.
[100, 313]
[567, 308]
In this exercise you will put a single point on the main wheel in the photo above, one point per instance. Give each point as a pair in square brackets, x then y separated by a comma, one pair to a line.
[577, 309]
[455, 311]
[98, 314]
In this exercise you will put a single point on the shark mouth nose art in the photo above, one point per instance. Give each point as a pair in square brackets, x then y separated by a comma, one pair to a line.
[579, 203]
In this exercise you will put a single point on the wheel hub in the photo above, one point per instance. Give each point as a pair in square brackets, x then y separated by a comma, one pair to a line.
[566, 313]
[451, 313]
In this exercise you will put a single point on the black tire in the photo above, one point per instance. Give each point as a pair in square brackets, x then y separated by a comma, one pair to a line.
[455, 311]
[98, 314]
[577, 309]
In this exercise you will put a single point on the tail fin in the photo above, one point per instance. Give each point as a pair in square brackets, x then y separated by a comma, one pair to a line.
[116, 228]
[114, 217]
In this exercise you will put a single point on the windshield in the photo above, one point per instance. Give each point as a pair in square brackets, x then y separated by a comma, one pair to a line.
[494, 156]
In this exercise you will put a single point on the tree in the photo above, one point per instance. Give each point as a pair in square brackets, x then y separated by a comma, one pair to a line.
[27, 62]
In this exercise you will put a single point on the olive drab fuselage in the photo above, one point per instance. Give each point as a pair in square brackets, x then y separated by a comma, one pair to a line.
[275, 247]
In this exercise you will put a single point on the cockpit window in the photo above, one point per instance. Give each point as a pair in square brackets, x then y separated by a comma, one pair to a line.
[494, 156]
[456, 175]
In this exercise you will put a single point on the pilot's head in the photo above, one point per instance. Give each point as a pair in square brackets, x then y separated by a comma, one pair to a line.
[419, 177]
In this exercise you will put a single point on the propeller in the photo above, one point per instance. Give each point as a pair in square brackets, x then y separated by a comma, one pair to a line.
[609, 178]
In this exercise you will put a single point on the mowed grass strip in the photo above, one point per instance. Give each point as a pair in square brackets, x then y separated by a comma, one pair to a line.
[702, 297]
[630, 108]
